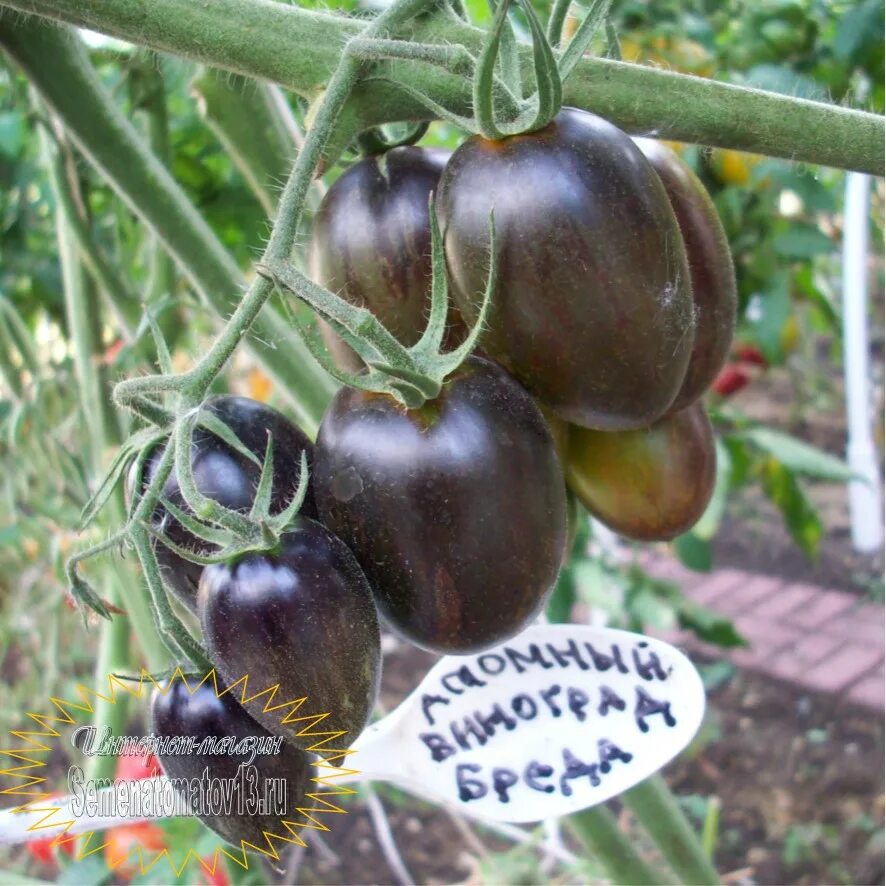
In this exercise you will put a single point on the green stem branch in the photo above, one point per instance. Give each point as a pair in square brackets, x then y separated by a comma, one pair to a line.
[599, 832]
[656, 808]
[299, 49]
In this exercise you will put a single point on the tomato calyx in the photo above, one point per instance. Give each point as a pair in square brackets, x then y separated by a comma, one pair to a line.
[233, 534]
[378, 140]
[411, 375]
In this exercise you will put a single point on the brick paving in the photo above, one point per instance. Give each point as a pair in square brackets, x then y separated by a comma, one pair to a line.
[817, 638]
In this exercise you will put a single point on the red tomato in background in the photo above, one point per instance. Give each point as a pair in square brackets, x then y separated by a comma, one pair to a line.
[42, 850]
[132, 768]
[748, 353]
[121, 853]
[732, 379]
[218, 877]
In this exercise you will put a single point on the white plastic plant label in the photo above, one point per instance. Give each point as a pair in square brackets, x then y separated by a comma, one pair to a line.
[556, 720]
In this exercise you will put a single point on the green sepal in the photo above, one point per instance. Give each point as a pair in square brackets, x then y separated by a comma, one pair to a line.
[212, 423]
[597, 16]
[261, 504]
[140, 442]
[205, 531]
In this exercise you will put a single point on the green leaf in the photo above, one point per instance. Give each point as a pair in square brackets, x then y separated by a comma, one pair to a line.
[860, 26]
[694, 552]
[767, 313]
[805, 285]
[803, 523]
[650, 610]
[740, 460]
[709, 626]
[706, 528]
[799, 456]
[85, 872]
[802, 241]
[12, 133]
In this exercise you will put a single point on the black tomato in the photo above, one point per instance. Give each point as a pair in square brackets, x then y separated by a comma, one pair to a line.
[592, 311]
[303, 618]
[371, 244]
[456, 511]
[649, 485]
[205, 715]
[710, 267]
[228, 477]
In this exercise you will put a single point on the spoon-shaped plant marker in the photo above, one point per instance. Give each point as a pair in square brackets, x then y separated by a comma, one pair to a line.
[561, 718]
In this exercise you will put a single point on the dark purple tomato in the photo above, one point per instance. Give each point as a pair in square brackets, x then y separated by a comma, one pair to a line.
[207, 716]
[303, 618]
[649, 485]
[228, 477]
[710, 268]
[592, 311]
[371, 244]
[456, 511]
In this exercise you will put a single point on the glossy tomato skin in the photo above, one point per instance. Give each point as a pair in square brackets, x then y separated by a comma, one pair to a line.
[371, 243]
[710, 268]
[205, 715]
[228, 477]
[303, 618]
[456, 511]
[648, 485]
[592, 311]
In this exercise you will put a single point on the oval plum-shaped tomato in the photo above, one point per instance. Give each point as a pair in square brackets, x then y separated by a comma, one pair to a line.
[228, 477]
[206, 715]
[592, 311]
[302, 618]
[456, 511]
[710, 268]
[649, 485]
[371, 243]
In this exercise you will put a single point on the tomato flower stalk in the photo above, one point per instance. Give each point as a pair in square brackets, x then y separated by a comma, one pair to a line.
[144, 395]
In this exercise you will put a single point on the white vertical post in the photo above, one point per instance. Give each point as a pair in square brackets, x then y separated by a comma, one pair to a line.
[865, 492]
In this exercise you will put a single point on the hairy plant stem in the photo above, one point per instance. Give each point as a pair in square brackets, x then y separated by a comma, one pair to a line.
[299, 48]
[655, 807]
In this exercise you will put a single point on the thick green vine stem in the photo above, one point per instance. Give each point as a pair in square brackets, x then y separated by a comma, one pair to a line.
[299, 48]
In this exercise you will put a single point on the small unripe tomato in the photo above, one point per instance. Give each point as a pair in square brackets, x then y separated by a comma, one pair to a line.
[648, 485]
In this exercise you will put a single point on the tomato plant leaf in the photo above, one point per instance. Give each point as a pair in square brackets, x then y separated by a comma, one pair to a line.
[797, 456]
[782, 488]
[709, 626]
[694, 551]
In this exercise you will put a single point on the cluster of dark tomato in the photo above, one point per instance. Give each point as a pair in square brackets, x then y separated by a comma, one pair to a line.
[612, 313]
